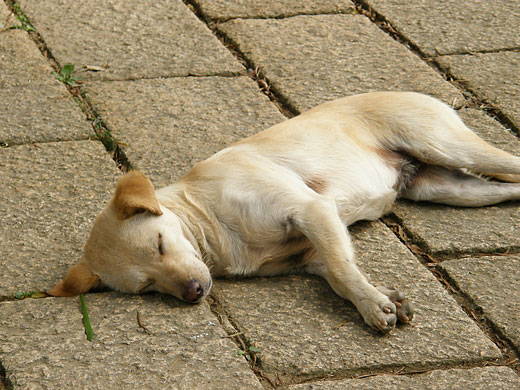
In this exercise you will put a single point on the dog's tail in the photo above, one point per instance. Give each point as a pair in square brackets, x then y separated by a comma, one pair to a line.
[432, 132]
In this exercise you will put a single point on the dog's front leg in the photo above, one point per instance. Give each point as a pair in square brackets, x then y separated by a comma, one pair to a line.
[320, 222]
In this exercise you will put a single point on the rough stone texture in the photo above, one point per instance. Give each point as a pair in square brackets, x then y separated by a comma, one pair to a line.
[21, 62]
[5, 18]
[293, 320]
[499, 378]
[34, 106]
[493, 283]
[131, 39]
[445, 230]
[50, 195]
[43, 345]
[493, 76]
[42, 114]
[313, 59]
[222, 10]
[183, 121]
[453, 26]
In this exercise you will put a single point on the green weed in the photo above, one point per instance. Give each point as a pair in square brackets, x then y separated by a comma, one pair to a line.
[250, 354]
[65, 75]
[25, 25]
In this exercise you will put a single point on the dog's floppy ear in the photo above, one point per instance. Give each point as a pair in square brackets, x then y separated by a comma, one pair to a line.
[78, 280]
[135, 194]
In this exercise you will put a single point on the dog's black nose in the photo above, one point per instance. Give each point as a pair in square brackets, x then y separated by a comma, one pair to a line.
[193, 292]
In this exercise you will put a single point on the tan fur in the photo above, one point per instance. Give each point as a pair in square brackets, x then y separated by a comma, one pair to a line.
[135, 194]
[280, 201]
[78, 280]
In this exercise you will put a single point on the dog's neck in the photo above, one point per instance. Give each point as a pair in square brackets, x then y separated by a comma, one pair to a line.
[194, 220]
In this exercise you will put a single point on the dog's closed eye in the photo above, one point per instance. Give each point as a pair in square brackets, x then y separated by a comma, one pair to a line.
[160, 245]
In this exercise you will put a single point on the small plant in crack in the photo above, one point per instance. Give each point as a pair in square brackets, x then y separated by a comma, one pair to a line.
[29, 294]
[104, 135]
[24, 22]
[250, 354]
[65, 75]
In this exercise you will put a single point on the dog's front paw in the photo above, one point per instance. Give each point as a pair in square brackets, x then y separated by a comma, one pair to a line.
[404, 309]
[379, 314]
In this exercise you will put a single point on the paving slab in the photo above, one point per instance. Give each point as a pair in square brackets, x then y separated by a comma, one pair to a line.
[44, 114]
[22, 64]
[184, 120]
[129, 39]
[6, 18]
[445, 230]
[34, 106]
[227, 9]
[453, 26]
[303, 329]
[493, 284]
[43, 345]
[494, 76]
[499, 378]
[51, 193]
[313, 59]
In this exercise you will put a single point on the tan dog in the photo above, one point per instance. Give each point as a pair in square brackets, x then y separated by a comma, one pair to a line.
[282, 199]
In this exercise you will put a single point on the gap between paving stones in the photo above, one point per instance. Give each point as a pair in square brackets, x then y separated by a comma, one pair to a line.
[484, 51]
[473, 98]
[272, 379]
[509, 351]
[110, 143]
[418, 247]
[474, 101]
[101, 131]
[237, 336]
[254, 71]
[209, 20]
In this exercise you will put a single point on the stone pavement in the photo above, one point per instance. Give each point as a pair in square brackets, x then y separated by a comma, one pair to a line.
[172, 82]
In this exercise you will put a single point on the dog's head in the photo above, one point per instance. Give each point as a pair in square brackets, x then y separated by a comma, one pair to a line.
[138, 246]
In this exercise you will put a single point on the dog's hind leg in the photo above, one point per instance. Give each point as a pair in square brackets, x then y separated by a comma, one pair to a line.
[433, 133]
[453, 187]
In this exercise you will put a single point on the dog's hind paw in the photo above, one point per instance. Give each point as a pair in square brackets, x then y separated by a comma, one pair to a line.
[404, 308]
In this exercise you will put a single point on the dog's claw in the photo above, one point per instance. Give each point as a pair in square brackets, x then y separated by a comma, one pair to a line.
[379, 315]
[404, 308]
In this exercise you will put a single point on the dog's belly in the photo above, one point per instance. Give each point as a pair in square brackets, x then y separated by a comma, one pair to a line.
[369, 209]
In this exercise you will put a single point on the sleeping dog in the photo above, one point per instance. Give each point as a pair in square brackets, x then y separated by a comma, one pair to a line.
[281, 200]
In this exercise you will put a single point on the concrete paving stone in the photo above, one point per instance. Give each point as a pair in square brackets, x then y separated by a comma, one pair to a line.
[21, 62]
[302, 328]
[34, 106]
[227, 9]
[43, 345]
[5, 19]
[493, 283]
[43, 114]
[138, 39]
[453, 26]
[50, 195]
[313, 59]
[446, 230]
[494, 76]
[499, 378]
[184, 120]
